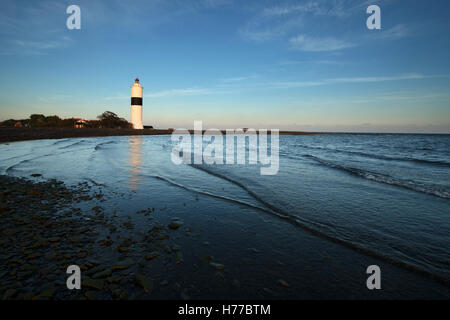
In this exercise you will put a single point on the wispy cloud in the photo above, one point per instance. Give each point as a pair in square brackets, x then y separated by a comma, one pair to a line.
[292, 21]
[304, 43]
[54, 97]
[277, 21]
[409, 76]
[35, 46]
[42, 45]
[262, 31]
[337, 8]
[282, 10]
[237, 79]
[180, 92]
[318, 62]
[235, 86]
[168, 93]
[33, 29]
[396, 32]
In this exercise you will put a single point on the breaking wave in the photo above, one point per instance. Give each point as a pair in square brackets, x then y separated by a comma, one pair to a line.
[383, 178]
[101, 144]
[377, 156]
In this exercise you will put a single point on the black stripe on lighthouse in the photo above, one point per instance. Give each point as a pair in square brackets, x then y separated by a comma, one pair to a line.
[135, 101]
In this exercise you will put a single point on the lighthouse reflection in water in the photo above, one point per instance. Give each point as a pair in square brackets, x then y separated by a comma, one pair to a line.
[135, 161]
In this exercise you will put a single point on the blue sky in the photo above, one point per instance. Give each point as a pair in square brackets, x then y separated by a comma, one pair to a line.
[296, 65]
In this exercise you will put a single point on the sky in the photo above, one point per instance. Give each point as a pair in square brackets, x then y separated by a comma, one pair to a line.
[291, 65]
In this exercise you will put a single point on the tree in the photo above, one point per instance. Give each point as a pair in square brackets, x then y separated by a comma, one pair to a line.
[109, 119]
[70, 122]
[93, 124]
[52, 121]
[37, 120]
[8, 123]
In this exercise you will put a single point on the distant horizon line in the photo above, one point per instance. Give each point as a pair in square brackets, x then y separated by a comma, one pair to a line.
[281, 130]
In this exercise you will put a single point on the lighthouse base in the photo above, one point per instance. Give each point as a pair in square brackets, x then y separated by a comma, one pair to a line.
[136, 117]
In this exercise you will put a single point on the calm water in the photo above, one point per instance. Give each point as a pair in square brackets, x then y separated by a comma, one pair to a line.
[388, 195]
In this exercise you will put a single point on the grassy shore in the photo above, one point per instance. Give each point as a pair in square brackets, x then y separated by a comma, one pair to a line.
[22, 134]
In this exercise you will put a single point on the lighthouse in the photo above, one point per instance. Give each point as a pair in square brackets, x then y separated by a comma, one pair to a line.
[136, 105]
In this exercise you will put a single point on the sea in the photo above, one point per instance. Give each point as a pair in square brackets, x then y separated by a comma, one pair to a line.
[337, 203]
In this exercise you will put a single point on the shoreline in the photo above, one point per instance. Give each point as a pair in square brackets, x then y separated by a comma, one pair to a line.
[49, 225]
[27, 134]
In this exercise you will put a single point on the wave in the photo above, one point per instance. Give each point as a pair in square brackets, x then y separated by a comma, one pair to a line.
[13, 166]
[383, 178]
[379, 156]
[73, 144]
[101, 144]
[95, 183]
[320, 229]
[60, 141]
[209, 194]
[16, 157]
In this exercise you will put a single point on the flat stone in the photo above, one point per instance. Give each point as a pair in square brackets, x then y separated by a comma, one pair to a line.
[283, 283]
[95, 270]
[123, 265]
[184, 296]
[152, 255]
[267, 290]
[34, 256]
[144, 282]
[179, 257]
[93, 283]
[216, 265]
[91, 295]
[82, 254]
[206, 258]
[164, 283]
[175, 224]
[124, 249]
[46, 293]
[113, 279]
[102, 274]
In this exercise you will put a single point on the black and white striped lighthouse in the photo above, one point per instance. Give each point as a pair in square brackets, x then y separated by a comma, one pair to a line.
[136, 105]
